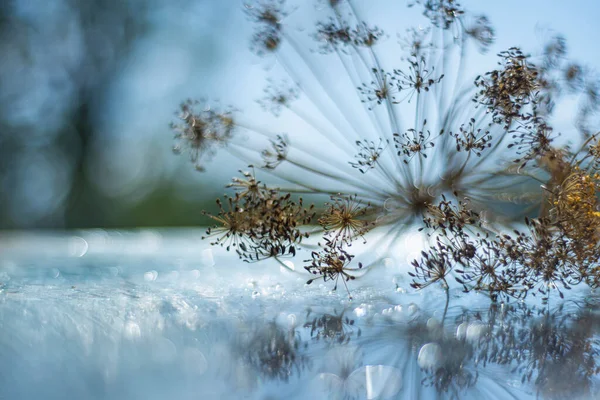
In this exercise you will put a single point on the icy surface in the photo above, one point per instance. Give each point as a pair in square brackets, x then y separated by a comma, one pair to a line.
[160, 314]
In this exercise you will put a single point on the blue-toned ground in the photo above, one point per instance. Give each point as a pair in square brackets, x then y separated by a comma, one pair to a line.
[159, 314]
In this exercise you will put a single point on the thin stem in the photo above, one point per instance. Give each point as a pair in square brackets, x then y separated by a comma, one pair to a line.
[447, 290]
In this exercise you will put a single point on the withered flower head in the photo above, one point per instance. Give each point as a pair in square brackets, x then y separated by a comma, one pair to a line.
[574, 77]
[336, 35]
[554, 51]
[576, 207]
[417, 79]
[267, 15]
[260, 223]
[201, 132]
[416, 41]
[366, 36]
[278, 152]
[482, 32]
[344, 219]
[266, 12]
[434, 266]
[278, 97]
[447, 216]
[272, 351]
[333, 35]
[414, 142]
[507, 90]
[233, 225]
[265, 41]
[532, 139]
[249, 187]
[368, 155]
[442, 13]
[472, 139]
[331, 263]
[382, 88]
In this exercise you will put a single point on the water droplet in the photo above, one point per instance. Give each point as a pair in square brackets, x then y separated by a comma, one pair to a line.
[398, 314]
[194, 361]
[413, 309]
[163, 351]
[150, 276]
[361, 311]
[290, 266]
[208, 258]
[77, 246]
[132, 330]
[461, 331]
[255, 294]
[292, 320]
[430, 356]
[433, 324]
[391, 204]
[476, 331]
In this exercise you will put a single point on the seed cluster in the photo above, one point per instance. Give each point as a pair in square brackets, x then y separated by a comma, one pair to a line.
[259, 222]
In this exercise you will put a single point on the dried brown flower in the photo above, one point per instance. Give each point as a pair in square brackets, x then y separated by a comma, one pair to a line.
[201, 132]
[331, 263]
[343, 220]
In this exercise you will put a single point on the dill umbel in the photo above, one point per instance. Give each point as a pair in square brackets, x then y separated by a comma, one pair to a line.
[414, 141]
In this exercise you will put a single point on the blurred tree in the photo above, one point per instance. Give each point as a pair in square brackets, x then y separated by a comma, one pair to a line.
[60, 59]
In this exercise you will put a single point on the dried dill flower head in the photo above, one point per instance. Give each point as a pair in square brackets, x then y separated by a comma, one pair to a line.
[202, 132]
[386, 142]
[506, 91]
[332, 263]
[482, 31]
[259, 222]
[342, 221]
[576, 207]
[268, 16]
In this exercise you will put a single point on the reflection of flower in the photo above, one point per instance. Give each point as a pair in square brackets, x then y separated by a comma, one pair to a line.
[555, 350]
[272, 351]
[332, 327]
[348, 380]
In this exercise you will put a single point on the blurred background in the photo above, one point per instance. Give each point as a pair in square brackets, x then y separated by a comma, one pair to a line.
[88, 89]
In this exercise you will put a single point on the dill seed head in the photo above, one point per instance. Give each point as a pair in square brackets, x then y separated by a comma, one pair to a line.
[277, 153]
[506, 91]
[332, 263]
[463, 149]
[201, 132]
[344, 219]
[482, 31]
[368, 155]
